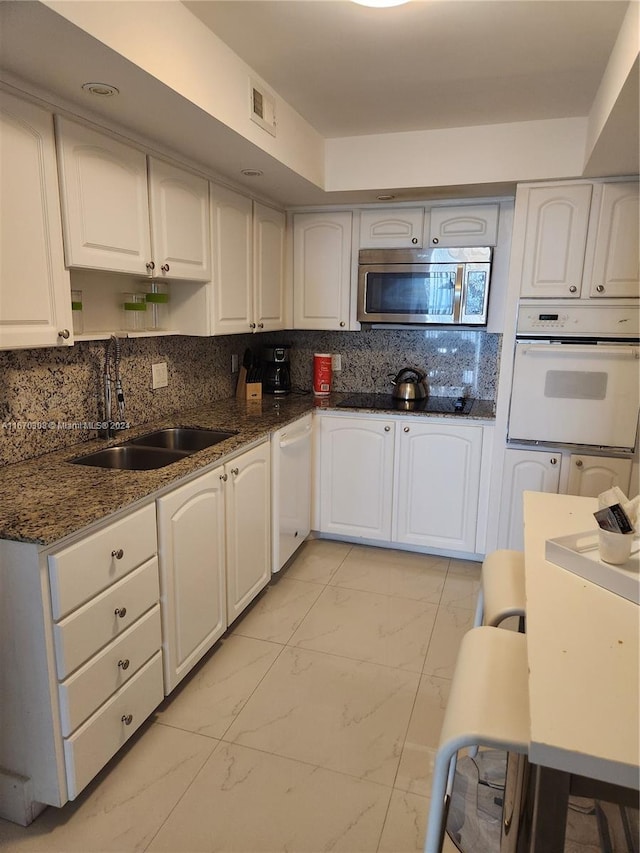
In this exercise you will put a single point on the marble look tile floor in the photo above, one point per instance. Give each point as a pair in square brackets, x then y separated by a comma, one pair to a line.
[311, 726]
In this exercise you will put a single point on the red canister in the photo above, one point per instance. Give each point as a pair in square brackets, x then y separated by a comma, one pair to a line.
[322, 374]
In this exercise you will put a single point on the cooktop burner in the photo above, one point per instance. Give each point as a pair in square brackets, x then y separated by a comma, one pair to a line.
[432, 405]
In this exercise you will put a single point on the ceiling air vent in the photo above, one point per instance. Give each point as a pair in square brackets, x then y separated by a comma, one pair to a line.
[263, 107]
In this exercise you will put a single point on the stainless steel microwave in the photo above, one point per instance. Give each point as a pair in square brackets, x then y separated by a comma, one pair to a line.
[424, 286]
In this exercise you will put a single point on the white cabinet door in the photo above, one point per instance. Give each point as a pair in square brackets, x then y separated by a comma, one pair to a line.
[616, 264]
[192, 576]
[268, 258]
[438, 476]
[232, 288]
[555, 239]
[464, 225]
[35, 297]
[392, 228]
[180, 233]
[321, 270]
[589, 476]
[105, 207]
[356, 477]
[524, 470]
[248, 527]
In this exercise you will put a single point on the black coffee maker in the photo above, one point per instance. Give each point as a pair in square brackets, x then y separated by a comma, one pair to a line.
[276, 369]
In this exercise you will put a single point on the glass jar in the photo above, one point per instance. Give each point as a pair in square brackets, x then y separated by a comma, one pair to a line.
[135, 307]
[76, 312]
[157, 299]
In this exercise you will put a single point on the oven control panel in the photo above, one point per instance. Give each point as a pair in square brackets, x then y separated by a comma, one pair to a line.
[584, 321]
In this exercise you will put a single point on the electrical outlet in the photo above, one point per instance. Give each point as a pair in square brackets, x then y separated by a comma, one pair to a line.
[159, 376]
[234, 362]
[336, 362]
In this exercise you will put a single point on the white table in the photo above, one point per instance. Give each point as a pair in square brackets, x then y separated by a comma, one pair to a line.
[583, 646]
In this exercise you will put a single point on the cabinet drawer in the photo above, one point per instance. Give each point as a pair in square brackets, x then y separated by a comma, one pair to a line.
[81, 571]
[108, 671]
[89, 749]
[88, 629]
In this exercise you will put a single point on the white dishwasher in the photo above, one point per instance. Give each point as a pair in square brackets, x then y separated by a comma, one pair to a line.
[290, 489]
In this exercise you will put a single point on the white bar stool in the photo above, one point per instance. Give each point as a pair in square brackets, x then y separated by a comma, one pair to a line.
[502, 591]
[488, 706]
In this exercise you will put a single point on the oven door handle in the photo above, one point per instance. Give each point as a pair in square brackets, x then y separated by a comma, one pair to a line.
[580, 349]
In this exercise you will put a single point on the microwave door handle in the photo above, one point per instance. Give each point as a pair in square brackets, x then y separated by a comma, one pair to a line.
[457, 294]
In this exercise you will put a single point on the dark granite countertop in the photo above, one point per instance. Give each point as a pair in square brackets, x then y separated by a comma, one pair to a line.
[47, 498]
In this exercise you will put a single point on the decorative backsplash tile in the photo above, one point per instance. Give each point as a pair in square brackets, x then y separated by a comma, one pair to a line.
[48, 397]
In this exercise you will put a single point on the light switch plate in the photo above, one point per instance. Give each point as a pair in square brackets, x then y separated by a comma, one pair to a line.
[159, 376]
[336, 362]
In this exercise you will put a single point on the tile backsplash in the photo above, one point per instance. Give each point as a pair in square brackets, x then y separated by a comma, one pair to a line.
[48, 396]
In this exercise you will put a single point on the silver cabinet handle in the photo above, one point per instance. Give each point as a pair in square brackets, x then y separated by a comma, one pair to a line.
[119, 554]
[414, 240]
[600, 288]
[121, 612]
[579, 463]
[165, 267]
[261, 325]
[252, 325]
[387, 429]
[224, 478]
[342, 324]
[151, 266]
[406, 429]
[573, 288]
[436, 240]
[124, 664]
[64, 334]
[553, 460]
[235, 471]
[127, 719]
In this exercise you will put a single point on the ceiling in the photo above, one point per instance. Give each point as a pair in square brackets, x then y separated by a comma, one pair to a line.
[351, 70]
[348, 70]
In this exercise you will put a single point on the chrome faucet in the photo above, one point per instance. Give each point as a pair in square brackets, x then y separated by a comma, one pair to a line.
[111, 376]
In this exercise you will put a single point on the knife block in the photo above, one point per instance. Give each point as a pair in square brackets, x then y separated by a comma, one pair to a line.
[247, 390]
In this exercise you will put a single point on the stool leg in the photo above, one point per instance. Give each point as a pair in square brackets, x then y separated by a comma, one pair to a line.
[479, 614]
[437, 821]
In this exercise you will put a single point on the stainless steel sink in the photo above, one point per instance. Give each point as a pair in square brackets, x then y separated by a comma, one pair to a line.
[129, 457]
[182, 438]
[154, 450]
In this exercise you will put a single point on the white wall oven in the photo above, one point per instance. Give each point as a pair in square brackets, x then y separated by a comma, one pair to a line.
[576, 377]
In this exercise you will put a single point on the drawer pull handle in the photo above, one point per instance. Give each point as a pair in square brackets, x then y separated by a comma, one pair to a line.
[127, 719]
[119, 554]
[124, 664]
[121, 612]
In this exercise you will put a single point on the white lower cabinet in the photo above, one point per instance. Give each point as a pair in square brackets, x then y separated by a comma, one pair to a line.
[401, 480]
[524, 470]
[247, 527]
[356, 476]
[192, 572]
[438, 475]
[589, 476]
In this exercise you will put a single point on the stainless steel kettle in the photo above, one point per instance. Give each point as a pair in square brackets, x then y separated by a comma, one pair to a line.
[410, 384]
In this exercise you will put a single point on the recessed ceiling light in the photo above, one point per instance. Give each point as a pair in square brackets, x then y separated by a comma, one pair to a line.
[102, 90]
[385, 197]
[378, 4]
[251, 173]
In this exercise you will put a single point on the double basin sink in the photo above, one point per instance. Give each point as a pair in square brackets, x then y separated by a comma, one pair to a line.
[154, 450]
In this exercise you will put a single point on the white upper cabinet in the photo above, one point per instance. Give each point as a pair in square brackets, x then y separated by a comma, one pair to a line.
[392, 228]
[117, 219]
[615, 270]
[268, 268]
[580, 240]
[180, 235]
[232, 229]
[105, 206]
[464, 225]
[321, 270]
[557, 219]
[35, 299]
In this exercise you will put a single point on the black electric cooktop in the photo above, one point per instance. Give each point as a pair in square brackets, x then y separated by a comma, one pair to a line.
[431, 405]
